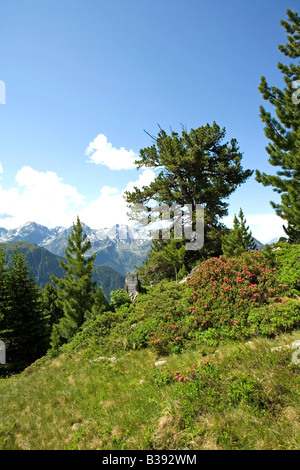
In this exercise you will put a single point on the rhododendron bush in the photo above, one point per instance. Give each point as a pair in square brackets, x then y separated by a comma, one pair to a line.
[228, 298]
[224, 290]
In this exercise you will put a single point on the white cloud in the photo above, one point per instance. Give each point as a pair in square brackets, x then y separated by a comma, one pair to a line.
[110, 207]
[264, 227]
[101, 152]
[41, 197]
[1, 168]
[44, 198]
[145, 179]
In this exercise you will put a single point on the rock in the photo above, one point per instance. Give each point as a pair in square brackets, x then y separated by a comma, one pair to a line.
[76, 426]
[132, 284]
[295, 357]
[102, 358]
[193, 271]
[294, 345]
[133, 296]
[160, 363]
[282, 240]
[153, 283]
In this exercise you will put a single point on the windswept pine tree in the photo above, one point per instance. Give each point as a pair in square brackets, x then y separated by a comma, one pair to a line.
[196, 167]
[76, 290]
[239, 239]
[284, 131]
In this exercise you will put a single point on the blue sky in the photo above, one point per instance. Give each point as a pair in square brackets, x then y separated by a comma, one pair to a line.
[94, 74]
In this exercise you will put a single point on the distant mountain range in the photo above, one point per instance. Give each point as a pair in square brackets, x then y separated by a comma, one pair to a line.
[119, 247]
[259, 245]
[43, 263]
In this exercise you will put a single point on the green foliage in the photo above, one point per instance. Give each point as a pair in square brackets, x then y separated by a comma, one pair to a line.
[197, 168]
[288, 260]
[200, 389]
[76, 289]
[247, 390]
[241, 396]
[51, 305]
[283, 132]
[226, 289]
[161, 302]
[95, 332]
[100, 302]
[225, 299]
[24, 328]
[165, 261]
[183, 272]
[41, 262]
[239, 238]
[161, 377]
[119, 298]
[269, 256]
[44, 264]
[272, 320]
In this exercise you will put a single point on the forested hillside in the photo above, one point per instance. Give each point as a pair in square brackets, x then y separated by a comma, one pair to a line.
[44, 264]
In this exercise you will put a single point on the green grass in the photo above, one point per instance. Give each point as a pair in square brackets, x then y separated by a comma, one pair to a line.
[220, 386]
[245, 397]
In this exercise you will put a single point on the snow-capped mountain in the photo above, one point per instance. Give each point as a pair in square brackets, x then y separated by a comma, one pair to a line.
[31, 232]
[120, 247]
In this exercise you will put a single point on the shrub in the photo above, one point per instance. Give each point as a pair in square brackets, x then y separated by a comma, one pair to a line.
[119, 297]
[247, 390]
[225, 289]
[164, 300]
[199, 389]
[288, 260]
[276, 319]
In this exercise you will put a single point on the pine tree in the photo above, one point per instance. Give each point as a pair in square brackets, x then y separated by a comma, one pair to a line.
[195, 168]
[239, 238]
[24, 328]
[51, 305]
[101, 304]
[284, 131]
[2, 304]
[76, 290]
[2, 284]
[164, 260]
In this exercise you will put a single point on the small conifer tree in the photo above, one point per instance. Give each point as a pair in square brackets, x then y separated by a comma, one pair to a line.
[76, 290]
[239, 238]
[101, 304]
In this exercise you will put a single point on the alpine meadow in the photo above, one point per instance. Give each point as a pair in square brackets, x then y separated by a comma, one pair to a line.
[150, 300]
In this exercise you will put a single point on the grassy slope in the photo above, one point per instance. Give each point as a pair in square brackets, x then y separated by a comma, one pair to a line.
[72, 403]
[245, 395]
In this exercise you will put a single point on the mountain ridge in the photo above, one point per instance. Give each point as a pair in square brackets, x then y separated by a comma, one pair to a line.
[120, 247]
[43, 263]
